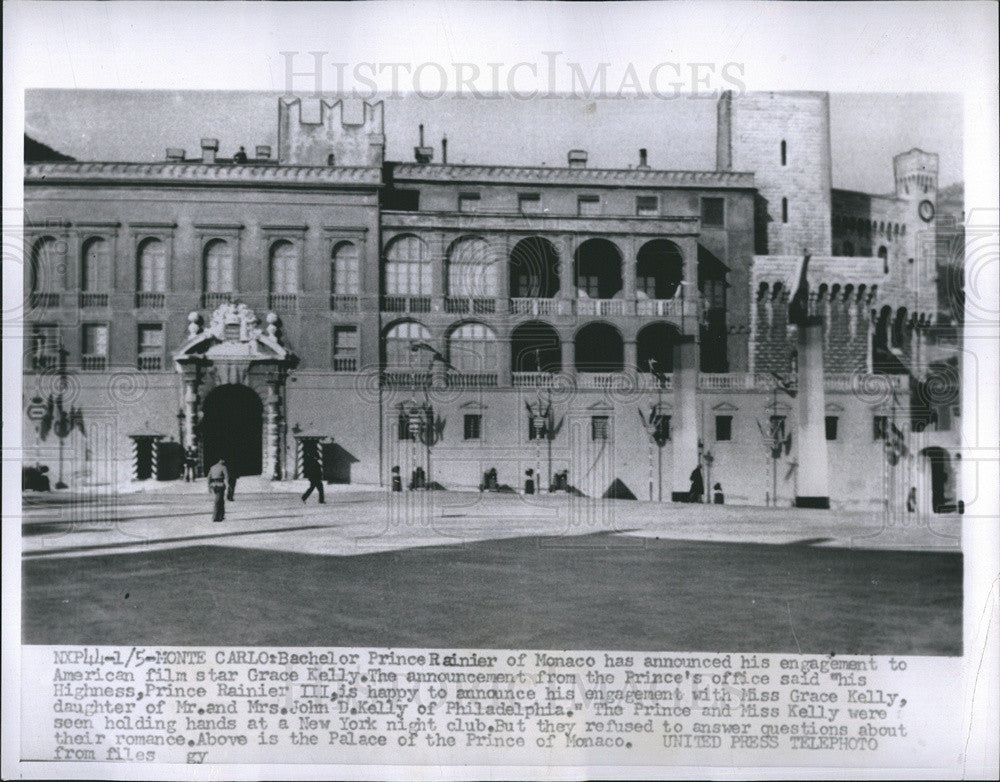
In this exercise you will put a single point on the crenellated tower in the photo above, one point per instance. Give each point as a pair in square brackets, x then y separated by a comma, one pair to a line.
[315, 134]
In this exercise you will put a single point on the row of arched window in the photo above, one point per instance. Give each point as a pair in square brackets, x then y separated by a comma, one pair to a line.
[864, 225]
[473, 268]
[535, 346]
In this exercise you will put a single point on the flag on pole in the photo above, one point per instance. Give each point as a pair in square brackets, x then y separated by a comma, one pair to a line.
[798, 307]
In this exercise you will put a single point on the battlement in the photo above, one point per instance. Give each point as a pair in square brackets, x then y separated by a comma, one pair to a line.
[916, 173]
[316, 134]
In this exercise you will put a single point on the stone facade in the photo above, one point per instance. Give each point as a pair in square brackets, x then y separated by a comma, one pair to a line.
[462, 318]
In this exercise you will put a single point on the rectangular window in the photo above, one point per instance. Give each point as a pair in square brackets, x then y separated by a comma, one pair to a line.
[647, 206]
[536, 428]
[529, 203]
[95, 346]
[345, 349]
[44, 345]
[588, 205]
[723, 428]
[880, 427]
[662, 433]
[713, 211]
[468, 202]
[831, 427]
[599, 427]
[589, 284]
[403, 200]
[151, 346]
[403, 428]
[473, 426]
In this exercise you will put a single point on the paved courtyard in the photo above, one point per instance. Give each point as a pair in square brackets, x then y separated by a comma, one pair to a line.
[456, 569]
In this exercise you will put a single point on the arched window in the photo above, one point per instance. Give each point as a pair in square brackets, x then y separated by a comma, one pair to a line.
[659, 269]
[784, 210]
[407, 267]
[534, 269]
[472, 347]
[599, 348]
[151, 274]
[784, 152]
[399, 341]
[472, 271]
[47, 267]
[218, 267]
[284, 271]
[598, 269]
[883, 253]
[535, 347]
[96, 272]
[655, 343]
[344, 272]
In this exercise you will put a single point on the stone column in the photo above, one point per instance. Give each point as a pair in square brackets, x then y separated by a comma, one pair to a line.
[812, 489]
[272, 431]
[567, 280]
[684, 425]
[190, 409]
[568, 364]
[631, 356]
[628, 271]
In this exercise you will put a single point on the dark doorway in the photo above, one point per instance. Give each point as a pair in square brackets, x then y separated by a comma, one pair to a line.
[941, 479]
[231, 428]
[144, 458]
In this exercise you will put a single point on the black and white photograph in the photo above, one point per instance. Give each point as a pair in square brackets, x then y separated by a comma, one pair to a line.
[678, 390]
[647, 395]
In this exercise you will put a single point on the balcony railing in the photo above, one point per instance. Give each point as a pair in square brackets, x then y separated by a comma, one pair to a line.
[659, 307]
[533, 379]
[93, 363]
[150, 363]
[604, 380]
[476, 306]
[538, 306]
[413, 304]
[342, 302]
[603, 307]
[282, 301]
[403, 379]
[147, 300]
[345, 364]
[93, 300]
[472, 380]
[734, 381]
[215, 299]
[44, 299]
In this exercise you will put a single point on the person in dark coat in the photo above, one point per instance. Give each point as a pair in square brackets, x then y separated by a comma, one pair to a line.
[312, 472]
[231, 478]
[697, 485]
[718, 497]
[218, 478]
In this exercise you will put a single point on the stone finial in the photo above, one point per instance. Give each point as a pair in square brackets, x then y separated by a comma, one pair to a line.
[272, 325]
[194, 324]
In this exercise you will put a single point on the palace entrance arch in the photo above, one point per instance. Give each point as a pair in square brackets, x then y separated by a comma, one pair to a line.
[232, 428]
[233, 377]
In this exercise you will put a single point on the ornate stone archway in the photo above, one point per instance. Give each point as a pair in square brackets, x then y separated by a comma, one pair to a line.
[234, 349]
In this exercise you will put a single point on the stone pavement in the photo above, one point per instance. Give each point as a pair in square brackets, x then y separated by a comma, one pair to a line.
[363, 520]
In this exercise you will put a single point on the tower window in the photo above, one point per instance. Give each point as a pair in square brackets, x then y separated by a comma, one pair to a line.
[647, 206]
[713, 211]
[723, 428]
[784, 153]
[784, 210]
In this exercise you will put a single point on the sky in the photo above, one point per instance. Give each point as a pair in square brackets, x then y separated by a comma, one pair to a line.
[867, 129]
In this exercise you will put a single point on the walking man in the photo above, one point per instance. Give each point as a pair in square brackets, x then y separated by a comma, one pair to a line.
[218, 477]
[314, 474]
[697, 485]
[231, 477]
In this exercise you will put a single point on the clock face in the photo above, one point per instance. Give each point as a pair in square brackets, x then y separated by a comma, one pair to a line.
[926, 211]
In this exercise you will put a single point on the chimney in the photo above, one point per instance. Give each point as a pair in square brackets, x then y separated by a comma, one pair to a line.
[577, 158]
[175, 154]
[642, 159]
[421, 153]
[263, 152]
[209, 147]
[444, 150]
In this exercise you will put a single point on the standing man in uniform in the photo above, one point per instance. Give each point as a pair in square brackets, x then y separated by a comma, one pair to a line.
[311, 470]
[218, 477]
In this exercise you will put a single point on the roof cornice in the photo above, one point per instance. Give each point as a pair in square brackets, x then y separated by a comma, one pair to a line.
[583, 177]
[196, 173]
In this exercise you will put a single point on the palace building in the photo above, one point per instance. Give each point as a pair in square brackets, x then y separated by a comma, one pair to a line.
[607, 329]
